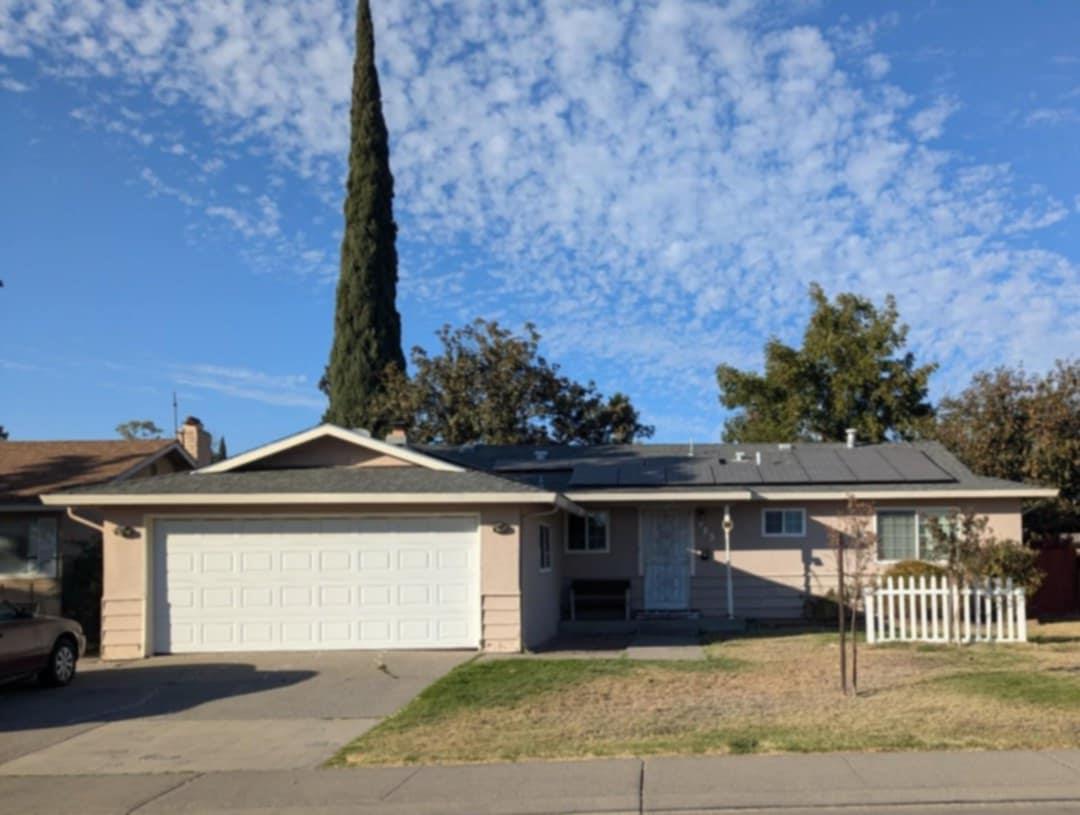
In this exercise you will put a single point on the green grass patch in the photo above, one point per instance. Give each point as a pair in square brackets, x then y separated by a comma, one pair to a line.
[501, 683]
[1043, 689]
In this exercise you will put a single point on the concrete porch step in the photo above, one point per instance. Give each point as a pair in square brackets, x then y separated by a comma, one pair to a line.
[671, 625]
[719, 625]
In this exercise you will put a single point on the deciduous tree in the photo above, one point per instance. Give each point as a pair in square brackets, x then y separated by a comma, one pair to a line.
[492, 386]
[850, 372]
[1022, 427]
[139, 429]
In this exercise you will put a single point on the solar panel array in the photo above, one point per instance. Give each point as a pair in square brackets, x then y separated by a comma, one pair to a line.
[859, 465]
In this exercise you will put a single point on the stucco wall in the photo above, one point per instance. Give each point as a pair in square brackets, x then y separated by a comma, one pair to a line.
[542, 590]
[327, 452]
[620, 562]
[127, 604]
[771, 577]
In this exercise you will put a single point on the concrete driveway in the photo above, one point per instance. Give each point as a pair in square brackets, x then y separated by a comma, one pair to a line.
[207, 713]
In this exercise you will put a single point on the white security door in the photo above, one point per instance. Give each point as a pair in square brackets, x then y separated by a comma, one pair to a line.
[316, 584]
[667, 540]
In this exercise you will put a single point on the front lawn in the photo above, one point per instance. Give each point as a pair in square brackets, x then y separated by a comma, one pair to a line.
[753, 694]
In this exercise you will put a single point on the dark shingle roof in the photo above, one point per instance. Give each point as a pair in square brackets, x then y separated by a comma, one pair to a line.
[345, 480]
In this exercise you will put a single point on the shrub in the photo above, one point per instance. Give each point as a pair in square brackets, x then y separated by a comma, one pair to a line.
[915, 568]
[1007, 559]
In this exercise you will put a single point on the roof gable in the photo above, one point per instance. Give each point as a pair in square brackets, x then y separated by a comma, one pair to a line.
[30, 468]
[321, 454]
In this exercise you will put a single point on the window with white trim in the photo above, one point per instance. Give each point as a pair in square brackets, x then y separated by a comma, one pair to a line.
[587, 535]
[904, 534]
[545, 547]
[783, 523]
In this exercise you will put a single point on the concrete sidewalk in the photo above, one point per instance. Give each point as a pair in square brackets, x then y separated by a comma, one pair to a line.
[815, 783]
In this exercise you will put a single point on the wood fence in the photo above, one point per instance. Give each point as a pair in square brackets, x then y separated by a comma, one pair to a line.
[934, 609]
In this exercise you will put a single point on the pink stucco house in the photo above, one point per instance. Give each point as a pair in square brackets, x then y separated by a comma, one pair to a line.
[331, 539]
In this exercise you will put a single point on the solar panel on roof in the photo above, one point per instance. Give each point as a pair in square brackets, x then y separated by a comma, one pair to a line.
[696, 472]
[641, 474]
[781, 468]
[595, 475]
[735, 472]
[915, 465]
[823, 466]
[868, 465]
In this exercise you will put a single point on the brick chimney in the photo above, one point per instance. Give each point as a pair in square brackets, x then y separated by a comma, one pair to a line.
[398, 435]
[195, 440]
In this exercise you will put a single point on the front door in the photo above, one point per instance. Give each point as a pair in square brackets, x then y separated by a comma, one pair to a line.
[667, 541]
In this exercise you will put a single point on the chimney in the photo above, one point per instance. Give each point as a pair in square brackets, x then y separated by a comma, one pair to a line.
[398, 435]
[195, 440]
[850, 434]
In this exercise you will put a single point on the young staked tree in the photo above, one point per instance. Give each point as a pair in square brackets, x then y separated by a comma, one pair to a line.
[854, 544]
[367, 327]
[851, 372]
[492, 386]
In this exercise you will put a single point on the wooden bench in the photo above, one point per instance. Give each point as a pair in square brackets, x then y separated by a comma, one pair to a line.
[600, 595]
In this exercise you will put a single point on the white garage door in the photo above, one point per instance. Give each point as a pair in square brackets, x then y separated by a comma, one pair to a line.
[334, 583]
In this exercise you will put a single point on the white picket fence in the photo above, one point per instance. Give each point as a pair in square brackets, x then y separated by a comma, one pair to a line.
[936, 610]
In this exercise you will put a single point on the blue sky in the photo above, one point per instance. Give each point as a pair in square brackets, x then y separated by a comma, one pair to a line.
[653, 184]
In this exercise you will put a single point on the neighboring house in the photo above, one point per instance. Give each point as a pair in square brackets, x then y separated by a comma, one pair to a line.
[330, 539]
[35, 540]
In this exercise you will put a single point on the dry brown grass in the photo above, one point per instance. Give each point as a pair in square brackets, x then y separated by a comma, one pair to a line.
[756, 694]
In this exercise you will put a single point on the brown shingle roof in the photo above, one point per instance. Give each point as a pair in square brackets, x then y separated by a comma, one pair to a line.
[30, 468]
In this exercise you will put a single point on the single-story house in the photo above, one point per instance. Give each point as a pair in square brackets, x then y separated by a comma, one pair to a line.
[331, 539]
[35, 539]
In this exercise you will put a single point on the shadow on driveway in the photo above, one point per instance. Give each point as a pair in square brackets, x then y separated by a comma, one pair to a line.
[112, 694]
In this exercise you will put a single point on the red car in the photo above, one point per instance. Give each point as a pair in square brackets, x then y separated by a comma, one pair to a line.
[35, 645]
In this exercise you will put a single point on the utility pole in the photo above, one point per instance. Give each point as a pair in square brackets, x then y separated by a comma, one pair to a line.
[175, 415]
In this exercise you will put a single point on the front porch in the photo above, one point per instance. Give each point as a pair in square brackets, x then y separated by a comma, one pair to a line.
[701, 567]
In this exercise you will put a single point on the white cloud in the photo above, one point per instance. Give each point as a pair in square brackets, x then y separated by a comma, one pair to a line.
[654, 184]
[287, 390]
[929, 123]
[13, 85]
[1051, 116]
[877, 65]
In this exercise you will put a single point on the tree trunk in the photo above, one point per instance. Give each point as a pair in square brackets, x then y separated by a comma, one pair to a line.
[840, 604]
[854, 645]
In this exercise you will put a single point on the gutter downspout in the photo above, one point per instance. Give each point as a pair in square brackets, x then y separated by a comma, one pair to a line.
[728, 525]
[85, 521]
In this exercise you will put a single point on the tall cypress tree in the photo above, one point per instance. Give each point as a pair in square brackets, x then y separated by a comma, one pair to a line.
[367, 326]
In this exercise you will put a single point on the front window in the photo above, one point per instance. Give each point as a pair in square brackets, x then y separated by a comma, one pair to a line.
[587, 535]
[545, 548]
[904, 534]
[28, 547]
[783, 523]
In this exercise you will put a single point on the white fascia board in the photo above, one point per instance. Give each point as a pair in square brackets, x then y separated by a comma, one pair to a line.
[331, 431]
[279, 498]
[657, 496]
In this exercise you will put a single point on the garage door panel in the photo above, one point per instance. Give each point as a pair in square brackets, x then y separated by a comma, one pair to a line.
[244, 585]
